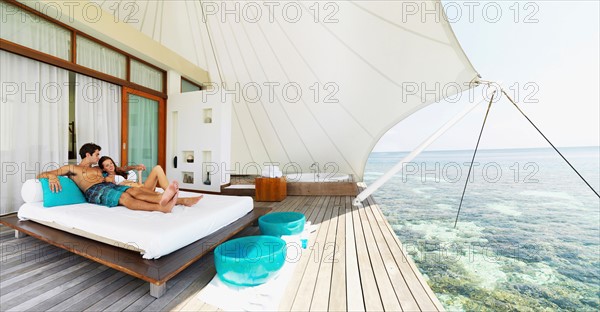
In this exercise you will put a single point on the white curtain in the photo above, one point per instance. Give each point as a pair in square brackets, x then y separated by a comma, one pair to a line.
[34, 32]
[98, 57]
[98, 115]
[146, 76]
[34, 121]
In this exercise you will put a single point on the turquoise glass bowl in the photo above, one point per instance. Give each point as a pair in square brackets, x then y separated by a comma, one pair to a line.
[282, 223]
[250, 260]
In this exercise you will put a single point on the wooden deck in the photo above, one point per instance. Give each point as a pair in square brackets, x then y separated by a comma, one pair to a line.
[354, 262]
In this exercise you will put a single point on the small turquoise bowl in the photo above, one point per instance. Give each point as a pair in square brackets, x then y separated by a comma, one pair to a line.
[282, 223]
[250, 260]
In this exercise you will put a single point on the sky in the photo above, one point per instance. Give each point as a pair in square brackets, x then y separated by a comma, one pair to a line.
[545, 52]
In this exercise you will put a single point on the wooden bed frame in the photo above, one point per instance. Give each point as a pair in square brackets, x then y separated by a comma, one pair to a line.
[157, 272]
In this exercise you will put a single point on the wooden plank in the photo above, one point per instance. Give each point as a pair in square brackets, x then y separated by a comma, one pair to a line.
[100, 294]
[386, 290]
[140, 304]
[85, 294]
[65, 292]
[313, 252]
[288, 204]
[337, 294]
[19, 251]
[74, 243]
[33, 267]
[422, 293]
[304, 297]
[21, 260]
[398, 285]
[4, 230]
[192, 302]
[29, 296]
[44, 272]
[6, 233]
[306, 205]
[354, 300]
[322, 188]
[238, 192]
[133, 296]
[368, 284]
[115, 295]
[26, 287]
[292, 289]
[320, 300]
[309, 206]
[293, 203]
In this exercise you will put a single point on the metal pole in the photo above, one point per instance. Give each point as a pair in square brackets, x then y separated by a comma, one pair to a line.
[400, 165]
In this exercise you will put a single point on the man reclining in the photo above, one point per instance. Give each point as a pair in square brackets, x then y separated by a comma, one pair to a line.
[99, 191]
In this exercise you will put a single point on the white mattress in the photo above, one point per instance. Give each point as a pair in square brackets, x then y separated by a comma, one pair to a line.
[155, 234]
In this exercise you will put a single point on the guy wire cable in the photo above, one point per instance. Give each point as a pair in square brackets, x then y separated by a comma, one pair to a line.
[473, 159]
[547, 140]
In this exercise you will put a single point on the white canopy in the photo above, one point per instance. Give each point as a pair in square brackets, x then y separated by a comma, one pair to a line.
[311, 81]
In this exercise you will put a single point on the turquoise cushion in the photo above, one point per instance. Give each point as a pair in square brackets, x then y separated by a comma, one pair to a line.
[70, 194]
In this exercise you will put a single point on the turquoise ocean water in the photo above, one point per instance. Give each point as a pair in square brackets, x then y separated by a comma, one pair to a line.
[528, 236]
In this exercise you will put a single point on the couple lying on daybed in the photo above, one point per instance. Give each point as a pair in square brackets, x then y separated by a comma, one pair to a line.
[101, 189]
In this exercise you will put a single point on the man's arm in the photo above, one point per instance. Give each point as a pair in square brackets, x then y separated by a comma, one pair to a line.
[52, 177]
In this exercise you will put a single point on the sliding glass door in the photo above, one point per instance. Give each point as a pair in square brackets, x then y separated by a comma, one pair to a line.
[142, 132]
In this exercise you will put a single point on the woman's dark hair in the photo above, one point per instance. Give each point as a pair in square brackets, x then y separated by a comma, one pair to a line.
[88, 148]
[118, 170]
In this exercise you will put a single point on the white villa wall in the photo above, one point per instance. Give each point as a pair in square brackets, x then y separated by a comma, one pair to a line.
[190, 133]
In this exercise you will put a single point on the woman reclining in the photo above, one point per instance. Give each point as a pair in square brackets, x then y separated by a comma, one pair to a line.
[118, 175]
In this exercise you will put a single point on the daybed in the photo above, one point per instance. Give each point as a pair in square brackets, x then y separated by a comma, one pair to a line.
[173, 240]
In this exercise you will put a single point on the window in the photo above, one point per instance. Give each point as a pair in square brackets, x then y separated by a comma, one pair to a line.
[146, 76]
[99, 57]
[188, 86]
[99, 72]
[52, 42]
[32, 31]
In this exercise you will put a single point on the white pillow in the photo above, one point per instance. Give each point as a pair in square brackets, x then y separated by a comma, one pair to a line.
[132, 176]
[31, 192]
[119, 179]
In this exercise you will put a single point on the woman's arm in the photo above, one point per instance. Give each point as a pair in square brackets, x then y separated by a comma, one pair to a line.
[139, 168]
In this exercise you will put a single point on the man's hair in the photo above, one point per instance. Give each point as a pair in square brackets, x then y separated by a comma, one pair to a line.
[88, 148]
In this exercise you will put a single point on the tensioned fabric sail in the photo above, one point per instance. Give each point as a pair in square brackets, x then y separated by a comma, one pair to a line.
[311, 81]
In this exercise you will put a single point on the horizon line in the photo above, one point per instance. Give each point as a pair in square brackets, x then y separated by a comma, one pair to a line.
[490, 149]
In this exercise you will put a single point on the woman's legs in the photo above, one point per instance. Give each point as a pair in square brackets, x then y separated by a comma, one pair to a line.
[156, 177]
